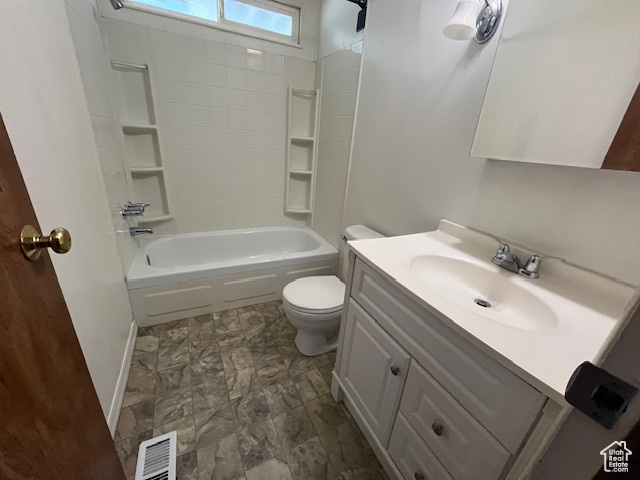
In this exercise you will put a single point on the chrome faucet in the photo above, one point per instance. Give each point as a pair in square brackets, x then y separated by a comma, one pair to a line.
[135, 231]
[133, 209]
[505, 259]
[509, 261]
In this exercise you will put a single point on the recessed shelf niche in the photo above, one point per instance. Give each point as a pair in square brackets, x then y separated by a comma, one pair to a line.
[143, 152]
[302, 147]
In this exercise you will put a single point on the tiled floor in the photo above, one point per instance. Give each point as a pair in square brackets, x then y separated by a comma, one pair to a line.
[245, 403]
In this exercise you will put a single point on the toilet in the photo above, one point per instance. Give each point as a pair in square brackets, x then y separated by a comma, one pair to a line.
[314, 304]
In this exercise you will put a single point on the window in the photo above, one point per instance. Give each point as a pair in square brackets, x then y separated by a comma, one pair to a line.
[266, 18]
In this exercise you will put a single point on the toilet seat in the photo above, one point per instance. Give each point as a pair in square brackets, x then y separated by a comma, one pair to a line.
[317, 295]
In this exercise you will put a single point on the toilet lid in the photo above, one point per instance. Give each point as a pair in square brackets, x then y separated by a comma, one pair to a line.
[318, 294]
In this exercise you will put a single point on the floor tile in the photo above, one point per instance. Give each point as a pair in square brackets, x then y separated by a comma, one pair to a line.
[226, 321]
[281, 326]
[345, 447]
[186, 432]
[294, 427]
[187, 466]
[199, 349]
[162, 328]
[311, 385]
[258, 443]
[214, 424]
[135, 419]
[141, 384]
[242, 382]
[173, 406]
[173, 378]
[370, 469]
[273, 372]
[128, 452]
[252, 322]
[173, 337]
[264, 352]
[208, 394]
[274, 469]
[326, 414]
[287, 344]
[232, 339]
[309, 461]
[220, 460]
[282, 396]
[299, 364]
[328, 358]
[173, 349]
[201, 328]
[270, 311]
[236, 359]
[245, 309]
[207, 368]
[326, 371]
[146, 344]
[250, 408]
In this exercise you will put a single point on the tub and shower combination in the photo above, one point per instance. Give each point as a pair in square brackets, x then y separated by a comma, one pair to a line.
[180, 276]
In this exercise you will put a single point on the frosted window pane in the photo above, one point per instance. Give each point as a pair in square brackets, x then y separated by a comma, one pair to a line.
[207, 9]
[258, 17]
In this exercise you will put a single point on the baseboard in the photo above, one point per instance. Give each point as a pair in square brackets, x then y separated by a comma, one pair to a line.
[118, 396]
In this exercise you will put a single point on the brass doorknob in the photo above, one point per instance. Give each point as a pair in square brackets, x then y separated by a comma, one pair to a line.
[32, 242]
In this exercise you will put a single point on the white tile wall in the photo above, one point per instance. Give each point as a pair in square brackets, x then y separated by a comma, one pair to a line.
[340, 72]
[93, 62]
[225, 110]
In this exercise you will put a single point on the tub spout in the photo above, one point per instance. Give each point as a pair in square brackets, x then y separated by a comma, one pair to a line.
[134, 231]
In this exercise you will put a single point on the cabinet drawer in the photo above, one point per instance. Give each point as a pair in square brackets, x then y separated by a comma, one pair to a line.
[373, 371]
[412, 457]
[506, 405]
[465, 448]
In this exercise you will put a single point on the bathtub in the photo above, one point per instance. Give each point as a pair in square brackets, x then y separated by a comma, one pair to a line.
[185, 275]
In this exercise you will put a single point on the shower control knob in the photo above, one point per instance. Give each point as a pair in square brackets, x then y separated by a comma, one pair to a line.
[419, 476]
[395, 371]
[437, 429]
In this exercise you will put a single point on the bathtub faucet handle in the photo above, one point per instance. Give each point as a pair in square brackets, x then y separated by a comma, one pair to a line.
[133, 209]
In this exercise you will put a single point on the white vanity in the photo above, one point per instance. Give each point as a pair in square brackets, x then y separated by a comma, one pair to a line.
[445, 388]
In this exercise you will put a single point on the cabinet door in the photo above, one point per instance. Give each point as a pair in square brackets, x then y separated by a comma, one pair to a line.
[372, 371]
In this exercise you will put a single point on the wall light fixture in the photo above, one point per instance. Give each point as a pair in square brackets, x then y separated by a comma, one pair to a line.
[474, 18]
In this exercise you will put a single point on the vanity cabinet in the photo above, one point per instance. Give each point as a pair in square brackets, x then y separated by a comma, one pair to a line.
[437, 405]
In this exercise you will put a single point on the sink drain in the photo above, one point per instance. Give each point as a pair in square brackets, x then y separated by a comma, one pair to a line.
[482, 303]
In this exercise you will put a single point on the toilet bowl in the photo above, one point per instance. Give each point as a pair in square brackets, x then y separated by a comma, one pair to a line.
[313, 305]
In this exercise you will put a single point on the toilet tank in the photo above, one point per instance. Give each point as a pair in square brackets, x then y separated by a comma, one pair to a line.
[354, 232]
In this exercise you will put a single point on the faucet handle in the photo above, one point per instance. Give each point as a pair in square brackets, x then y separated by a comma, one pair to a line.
[504, 246]
[532, 268]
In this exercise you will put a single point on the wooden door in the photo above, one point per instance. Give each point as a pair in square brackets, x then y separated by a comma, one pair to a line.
[51, 423]
[373, 370]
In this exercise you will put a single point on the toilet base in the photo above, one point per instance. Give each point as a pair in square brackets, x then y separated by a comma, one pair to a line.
[315, 343]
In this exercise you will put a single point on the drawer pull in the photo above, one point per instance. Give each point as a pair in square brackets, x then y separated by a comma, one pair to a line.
[437, 429]
[419, 476]
[395, 371]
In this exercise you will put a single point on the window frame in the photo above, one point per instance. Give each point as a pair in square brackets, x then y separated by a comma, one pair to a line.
[290, 8]
[295, 12]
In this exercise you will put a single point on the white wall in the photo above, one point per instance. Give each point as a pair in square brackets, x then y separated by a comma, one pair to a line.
[223, 110]
[337, 31]
[420, 99]
[94, 70]
[308, 31]
[340, 75]
[45, 111]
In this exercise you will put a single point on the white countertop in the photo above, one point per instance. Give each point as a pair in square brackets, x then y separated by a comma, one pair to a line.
[587, 305]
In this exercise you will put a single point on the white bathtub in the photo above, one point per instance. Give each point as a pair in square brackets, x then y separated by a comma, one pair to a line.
[181, 275]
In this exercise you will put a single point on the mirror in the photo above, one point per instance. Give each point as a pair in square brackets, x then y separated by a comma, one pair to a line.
[563, 79]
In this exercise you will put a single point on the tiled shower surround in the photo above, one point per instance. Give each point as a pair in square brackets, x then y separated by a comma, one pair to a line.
[245, 403]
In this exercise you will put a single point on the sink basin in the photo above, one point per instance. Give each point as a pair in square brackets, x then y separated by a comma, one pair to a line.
[485, 290]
